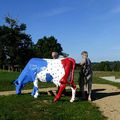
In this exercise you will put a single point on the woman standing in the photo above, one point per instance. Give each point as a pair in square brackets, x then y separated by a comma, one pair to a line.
[85, 80]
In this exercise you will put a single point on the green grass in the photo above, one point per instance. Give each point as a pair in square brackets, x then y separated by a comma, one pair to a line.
[107, 73]
[98, 80]
[102, 81]
[6, 79]
[22, 107]
[25, 107]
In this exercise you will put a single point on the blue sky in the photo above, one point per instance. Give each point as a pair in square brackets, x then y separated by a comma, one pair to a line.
[92, 25]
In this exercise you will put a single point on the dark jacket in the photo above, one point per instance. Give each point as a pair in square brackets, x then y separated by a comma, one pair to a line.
[86, 68]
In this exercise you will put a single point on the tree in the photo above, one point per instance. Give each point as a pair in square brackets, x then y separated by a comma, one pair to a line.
[14, 43]
[16, 47]
[115, 66]
[45, 46]
[106, 66]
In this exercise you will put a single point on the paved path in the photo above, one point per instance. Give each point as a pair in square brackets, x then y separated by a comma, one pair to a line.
[106, 97]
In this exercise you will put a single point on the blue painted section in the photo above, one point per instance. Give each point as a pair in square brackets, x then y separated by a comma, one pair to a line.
[49, 77]
[28, 74]
[34, 91]
[18, 89]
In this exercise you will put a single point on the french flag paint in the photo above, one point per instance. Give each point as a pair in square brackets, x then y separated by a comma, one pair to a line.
[58, 71]
[45, 70]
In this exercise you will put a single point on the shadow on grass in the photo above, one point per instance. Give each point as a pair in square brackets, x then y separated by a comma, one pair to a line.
[96, 94]
[66, 96]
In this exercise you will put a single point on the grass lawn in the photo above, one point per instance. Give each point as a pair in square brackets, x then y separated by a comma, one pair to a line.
[98, 80]
[6, 79]
[102, 81]
[25, 107]
[107, 73]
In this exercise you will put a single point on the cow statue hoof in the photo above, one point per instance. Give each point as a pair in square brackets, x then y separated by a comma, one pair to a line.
[56, 98]
[72, 100]
[89, 99]
[36, 95]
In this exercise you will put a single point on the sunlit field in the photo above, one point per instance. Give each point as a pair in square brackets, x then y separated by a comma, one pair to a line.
[16, 107]
[7, 78]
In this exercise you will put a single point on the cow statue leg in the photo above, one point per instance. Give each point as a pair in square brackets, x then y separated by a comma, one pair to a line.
[73, 94]
[73, 88]
[57, 97]
[35, 91]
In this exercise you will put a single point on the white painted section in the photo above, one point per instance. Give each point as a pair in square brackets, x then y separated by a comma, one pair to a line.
[73, 95]
[111, 78]
[36, 85]
[55, 69]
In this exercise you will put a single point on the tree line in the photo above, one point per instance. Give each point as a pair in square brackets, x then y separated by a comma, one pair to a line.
[103, 66]
[17, 47]
[106, 66]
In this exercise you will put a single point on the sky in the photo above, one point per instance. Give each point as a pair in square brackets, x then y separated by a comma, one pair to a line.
[91, 25]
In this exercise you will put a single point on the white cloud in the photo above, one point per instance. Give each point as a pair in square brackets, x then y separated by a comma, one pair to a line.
[51, 12]
[57, 11]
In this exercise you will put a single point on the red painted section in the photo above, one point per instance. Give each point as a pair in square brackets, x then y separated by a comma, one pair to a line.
[69, 66]
[57, 97]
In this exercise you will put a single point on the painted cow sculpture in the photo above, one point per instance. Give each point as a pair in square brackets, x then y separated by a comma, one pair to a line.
[58, 71]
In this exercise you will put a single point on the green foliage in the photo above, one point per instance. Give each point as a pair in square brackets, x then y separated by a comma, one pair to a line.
[6, 79]
[14, 42]
[16, 47]
[46, 46]
[107, 66]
